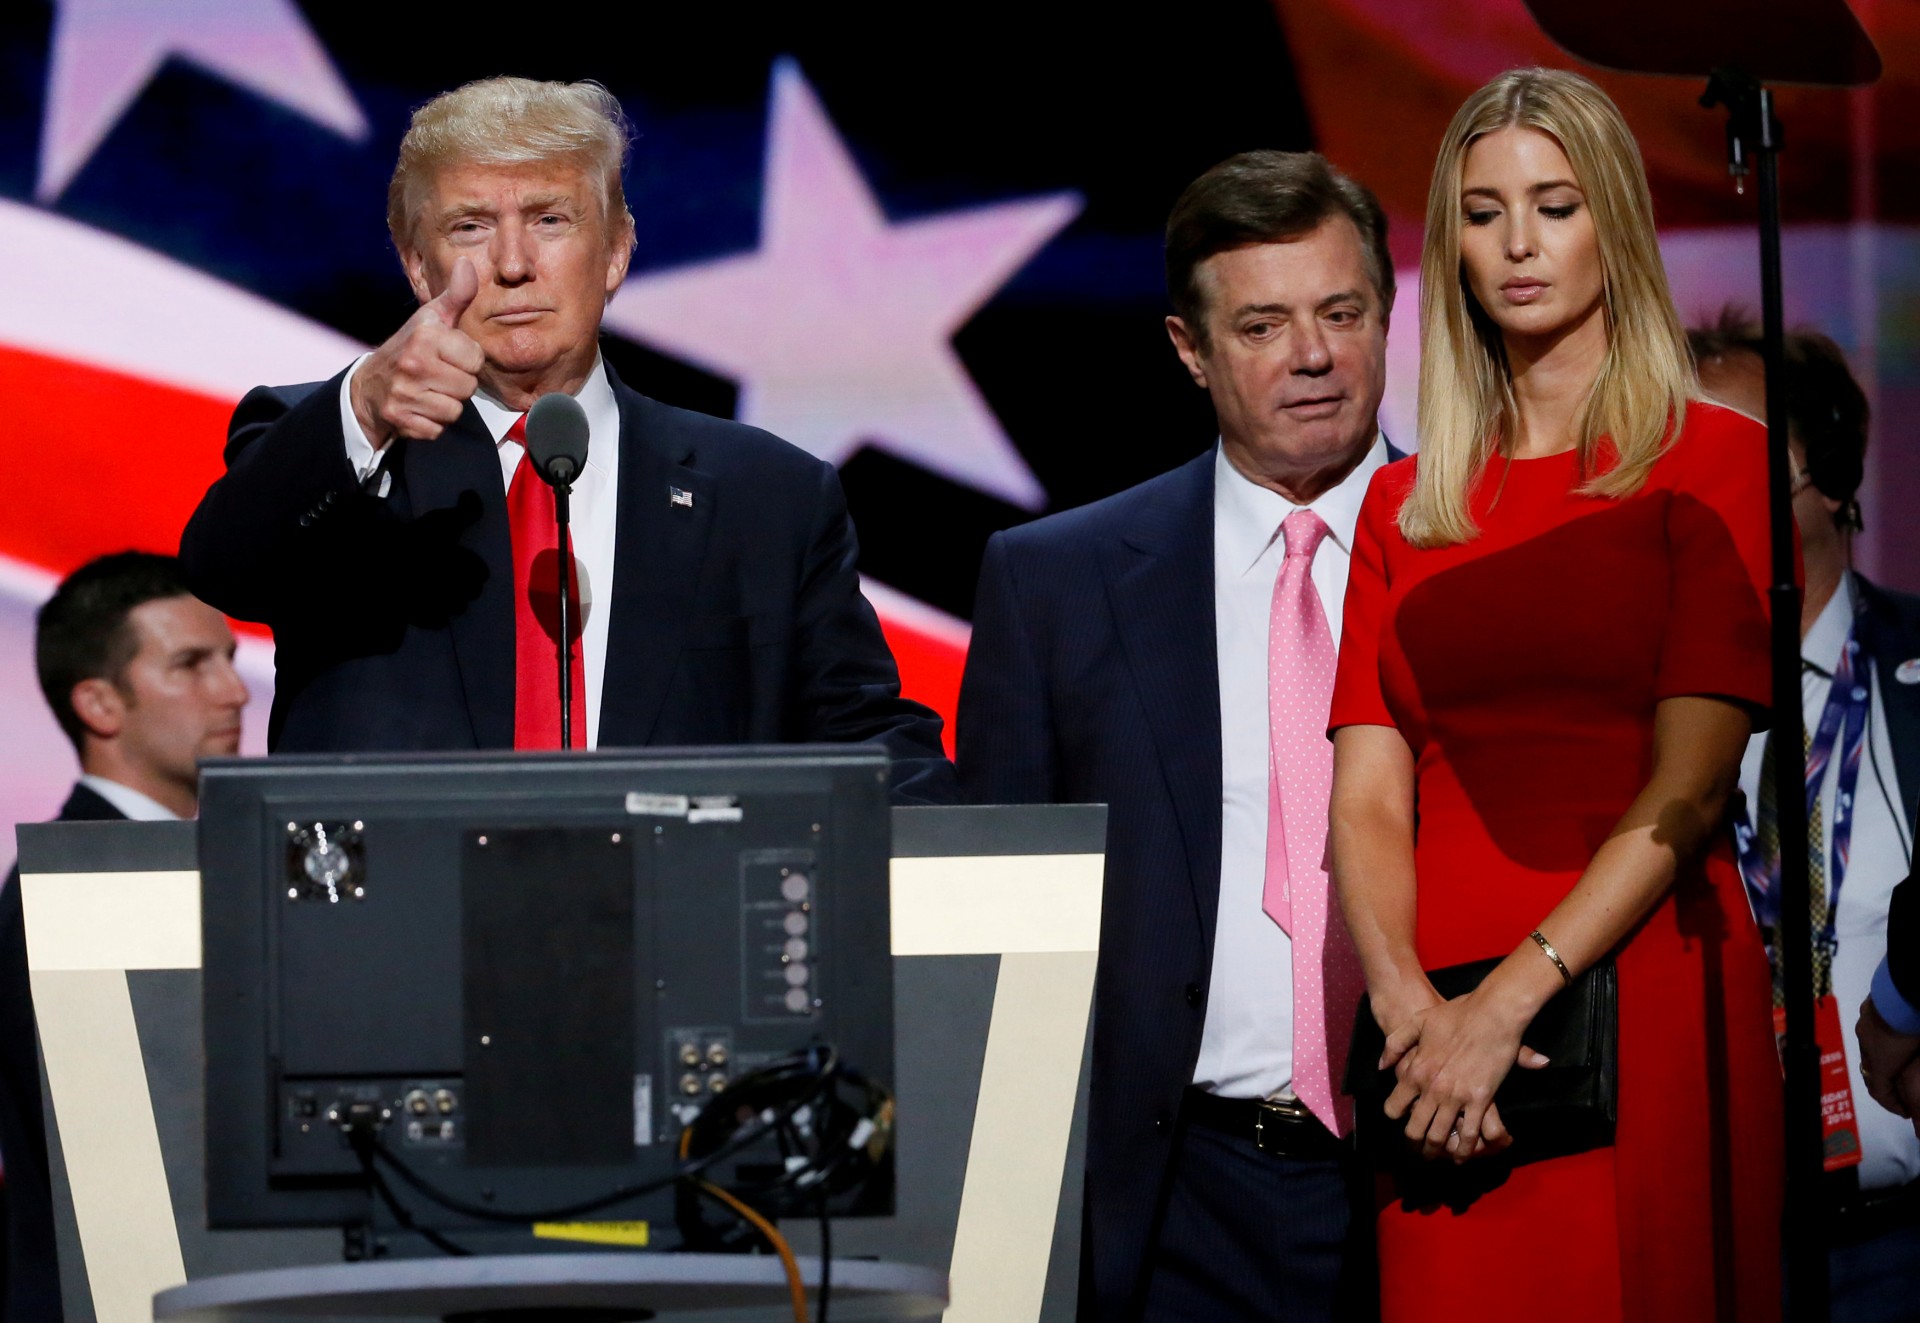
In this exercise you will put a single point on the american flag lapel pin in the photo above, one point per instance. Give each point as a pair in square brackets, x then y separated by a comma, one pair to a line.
[680, 496]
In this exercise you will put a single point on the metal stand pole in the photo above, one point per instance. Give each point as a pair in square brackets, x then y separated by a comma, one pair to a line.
[562, 513]
[1753, 133]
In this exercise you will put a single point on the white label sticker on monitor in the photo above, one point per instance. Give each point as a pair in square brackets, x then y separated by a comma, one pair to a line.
[715, 808]
[642, 1111]
[657, 806]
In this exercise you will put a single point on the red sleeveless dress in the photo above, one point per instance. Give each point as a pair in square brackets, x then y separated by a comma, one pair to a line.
[1523, 668]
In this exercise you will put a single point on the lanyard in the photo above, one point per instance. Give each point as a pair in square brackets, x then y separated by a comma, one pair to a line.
[1843, 723]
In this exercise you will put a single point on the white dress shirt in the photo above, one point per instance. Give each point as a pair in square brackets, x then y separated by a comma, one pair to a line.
[1246, 1043]
[1877, 861]
[595, 507]
[136, 806]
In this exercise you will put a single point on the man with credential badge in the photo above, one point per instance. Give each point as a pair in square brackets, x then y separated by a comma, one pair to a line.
[1861, 705]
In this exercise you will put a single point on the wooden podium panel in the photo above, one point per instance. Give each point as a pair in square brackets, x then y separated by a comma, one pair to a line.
[995, 929]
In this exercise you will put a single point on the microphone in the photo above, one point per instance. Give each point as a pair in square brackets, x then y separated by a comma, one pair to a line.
[557, 439]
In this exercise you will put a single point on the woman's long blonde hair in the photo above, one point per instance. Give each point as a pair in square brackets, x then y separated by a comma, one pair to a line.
[1639, 398]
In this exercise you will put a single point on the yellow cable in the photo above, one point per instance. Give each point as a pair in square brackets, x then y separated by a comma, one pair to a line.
[797, 1287]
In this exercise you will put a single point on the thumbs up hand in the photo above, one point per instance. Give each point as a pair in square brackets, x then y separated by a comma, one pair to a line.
[418, 382]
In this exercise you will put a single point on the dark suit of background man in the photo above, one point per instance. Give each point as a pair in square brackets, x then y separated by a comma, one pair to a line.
[1874, 1200]
[140, 676]
[382, 523]
[1120, 654]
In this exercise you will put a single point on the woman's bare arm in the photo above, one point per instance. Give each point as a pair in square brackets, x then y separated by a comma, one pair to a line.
[1370, 845]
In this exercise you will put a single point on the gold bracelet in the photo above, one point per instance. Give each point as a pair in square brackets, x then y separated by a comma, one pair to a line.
[1553, 955]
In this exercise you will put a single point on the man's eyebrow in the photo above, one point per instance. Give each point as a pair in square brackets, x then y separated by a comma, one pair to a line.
[546, 201]
[462, 210]
[1344, 296]
[188, 656]
[1262, 310]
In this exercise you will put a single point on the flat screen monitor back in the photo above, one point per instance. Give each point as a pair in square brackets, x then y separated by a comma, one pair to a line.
[532, 969]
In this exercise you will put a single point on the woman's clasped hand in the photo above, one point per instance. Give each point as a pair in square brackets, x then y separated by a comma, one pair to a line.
[1450, 1058]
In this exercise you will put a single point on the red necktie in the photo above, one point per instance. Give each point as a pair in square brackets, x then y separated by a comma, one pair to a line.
[536, 613]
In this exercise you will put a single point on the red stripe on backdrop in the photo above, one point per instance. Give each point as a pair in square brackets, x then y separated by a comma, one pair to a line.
[97, 461]
[929, 670]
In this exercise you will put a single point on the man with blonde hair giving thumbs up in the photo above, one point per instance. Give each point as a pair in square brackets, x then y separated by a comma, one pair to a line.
[386, 527]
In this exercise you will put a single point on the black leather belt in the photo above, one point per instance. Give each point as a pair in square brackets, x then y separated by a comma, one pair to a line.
[1283, 1129]
[1864, 1215]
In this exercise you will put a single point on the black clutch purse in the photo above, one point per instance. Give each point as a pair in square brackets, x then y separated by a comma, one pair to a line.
[1566, 1106]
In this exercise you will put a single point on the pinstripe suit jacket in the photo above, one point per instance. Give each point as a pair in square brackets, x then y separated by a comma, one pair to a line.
[1093, 678]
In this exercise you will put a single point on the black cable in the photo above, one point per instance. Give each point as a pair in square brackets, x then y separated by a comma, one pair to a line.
[363, 1147]
[520, 1217]
[826, 1260]
[746, 1136]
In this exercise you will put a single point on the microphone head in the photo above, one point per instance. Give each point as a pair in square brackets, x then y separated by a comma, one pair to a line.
[557, 438]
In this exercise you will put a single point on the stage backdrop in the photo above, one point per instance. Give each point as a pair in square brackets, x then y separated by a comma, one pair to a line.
[927, 251]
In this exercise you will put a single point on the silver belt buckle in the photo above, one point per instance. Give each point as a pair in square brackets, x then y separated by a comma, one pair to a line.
[1281, 1110]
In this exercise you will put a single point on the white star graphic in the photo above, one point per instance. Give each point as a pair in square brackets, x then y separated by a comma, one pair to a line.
[839, 329]
[106, 51]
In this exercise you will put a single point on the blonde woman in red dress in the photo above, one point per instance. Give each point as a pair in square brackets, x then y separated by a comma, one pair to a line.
[1555, 651]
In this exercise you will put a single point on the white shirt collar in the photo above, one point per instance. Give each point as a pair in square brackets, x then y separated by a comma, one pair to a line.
[138, 807]
[596, 398]
[1247, 516]
[1821, 647]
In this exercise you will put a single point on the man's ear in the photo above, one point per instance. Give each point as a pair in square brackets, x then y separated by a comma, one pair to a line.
[101, 707]
[415, 264]
[1185, 345]
[620, 256]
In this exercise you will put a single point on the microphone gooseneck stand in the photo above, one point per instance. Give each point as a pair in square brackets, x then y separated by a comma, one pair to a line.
[1753, 144]
[563, 516]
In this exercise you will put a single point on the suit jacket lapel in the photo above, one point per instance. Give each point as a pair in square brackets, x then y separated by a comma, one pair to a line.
[660, 544]
[1160, 587]
[465, 458]
[1890, 640]
[86, 804]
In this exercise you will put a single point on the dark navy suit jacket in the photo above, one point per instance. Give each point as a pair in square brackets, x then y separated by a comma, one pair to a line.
[1093, 678]
[737, 615]
[31, 1280]
[1889, 625]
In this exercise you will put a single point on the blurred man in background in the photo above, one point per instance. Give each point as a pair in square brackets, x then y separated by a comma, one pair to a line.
[1860, 692]
[140, 676]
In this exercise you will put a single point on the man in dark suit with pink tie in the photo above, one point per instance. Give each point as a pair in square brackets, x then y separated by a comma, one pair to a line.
[1169, 652]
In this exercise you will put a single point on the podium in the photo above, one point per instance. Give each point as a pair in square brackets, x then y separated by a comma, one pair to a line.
[995, 913]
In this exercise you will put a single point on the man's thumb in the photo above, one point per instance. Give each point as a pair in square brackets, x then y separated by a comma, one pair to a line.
[452, 303]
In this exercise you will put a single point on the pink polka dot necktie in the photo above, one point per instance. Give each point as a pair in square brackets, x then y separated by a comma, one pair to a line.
[1326, 972]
